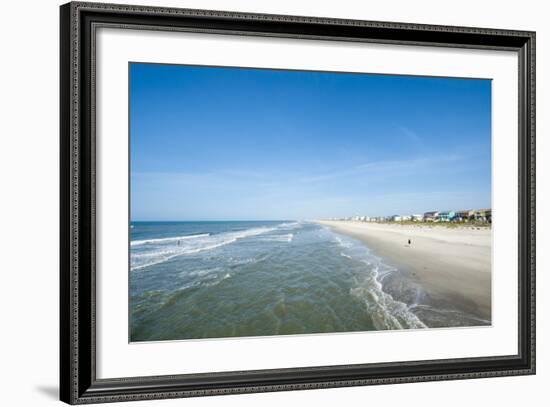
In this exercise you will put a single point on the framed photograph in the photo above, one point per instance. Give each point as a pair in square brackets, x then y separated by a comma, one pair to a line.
[255, 203]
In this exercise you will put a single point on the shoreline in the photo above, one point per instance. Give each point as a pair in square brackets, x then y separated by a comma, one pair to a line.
[452, 265]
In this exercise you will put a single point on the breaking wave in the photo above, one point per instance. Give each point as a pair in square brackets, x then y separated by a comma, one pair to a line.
[385, 311]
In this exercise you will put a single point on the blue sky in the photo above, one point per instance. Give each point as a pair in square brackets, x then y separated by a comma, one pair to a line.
[209, 143]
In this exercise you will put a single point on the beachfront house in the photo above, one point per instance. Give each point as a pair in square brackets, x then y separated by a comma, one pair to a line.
[446, 216]
[431, 216]
[483, 215]
[465, 214]
[417, 218]
[395, 218]
[405, 218]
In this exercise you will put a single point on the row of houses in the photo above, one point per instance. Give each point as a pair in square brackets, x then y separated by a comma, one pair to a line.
[478, 215]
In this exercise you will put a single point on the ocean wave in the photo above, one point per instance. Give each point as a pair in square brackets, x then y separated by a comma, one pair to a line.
[385, 311]
[201, 272]
[167, 239]
[237, 262]
[289, 225]
[162, 250]
[218, 280]
[208, 277]
[279, 238]
[343, 243]
[162, 256]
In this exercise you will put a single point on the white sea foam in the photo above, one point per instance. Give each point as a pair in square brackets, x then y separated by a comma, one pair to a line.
[344, 243]
[386, 312]
[279, 238]
[158, 251]
[201, 272]
[218, 280]
[235, 262]
[289, 225]
[167, 239]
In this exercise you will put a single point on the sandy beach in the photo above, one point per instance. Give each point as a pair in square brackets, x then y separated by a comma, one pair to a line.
[452, 265]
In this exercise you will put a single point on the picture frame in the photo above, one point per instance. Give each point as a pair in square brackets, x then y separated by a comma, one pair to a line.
[79, 383]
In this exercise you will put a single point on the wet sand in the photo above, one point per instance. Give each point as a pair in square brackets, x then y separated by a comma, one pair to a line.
[453, 265]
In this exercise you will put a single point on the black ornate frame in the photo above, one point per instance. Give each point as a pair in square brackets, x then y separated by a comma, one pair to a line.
[78, 382]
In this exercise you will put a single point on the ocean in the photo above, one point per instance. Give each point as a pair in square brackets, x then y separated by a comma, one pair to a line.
[193, 280]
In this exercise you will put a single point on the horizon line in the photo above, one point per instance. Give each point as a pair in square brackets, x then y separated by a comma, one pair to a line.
[216, 220]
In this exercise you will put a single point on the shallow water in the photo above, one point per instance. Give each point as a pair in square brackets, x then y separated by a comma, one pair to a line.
[191, 280]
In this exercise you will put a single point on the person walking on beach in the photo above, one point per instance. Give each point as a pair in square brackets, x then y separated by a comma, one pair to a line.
[409, 242]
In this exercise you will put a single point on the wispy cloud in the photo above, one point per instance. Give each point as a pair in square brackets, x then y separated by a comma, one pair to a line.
[385, 168]
[372, 187]
[410, 135]
[375, 170]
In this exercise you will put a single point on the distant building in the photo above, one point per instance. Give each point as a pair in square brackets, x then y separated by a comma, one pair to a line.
[405, 218]
[483, 215]
[417, 218]
[446, 216]
[465, 214]
[431, 216]
[395, 218]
